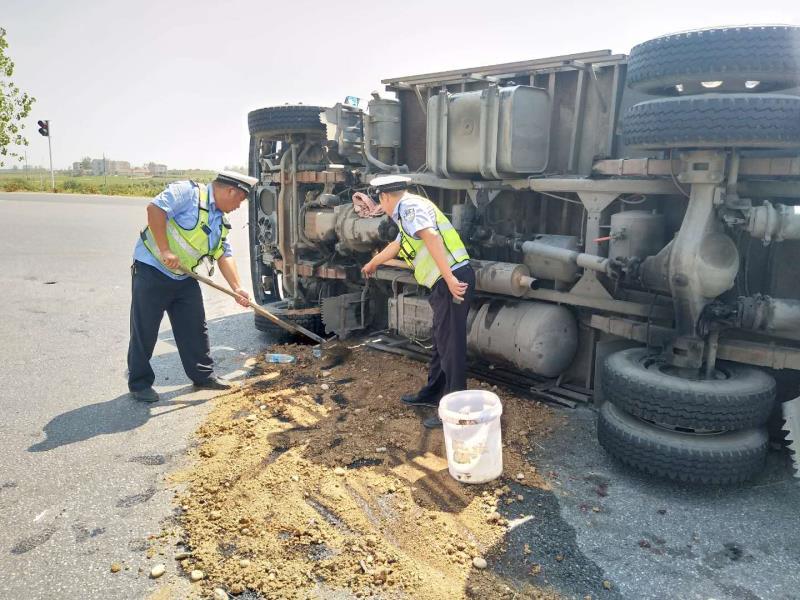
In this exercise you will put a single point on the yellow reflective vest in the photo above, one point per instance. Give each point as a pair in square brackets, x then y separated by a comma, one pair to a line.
[190, 245]
[417, 256]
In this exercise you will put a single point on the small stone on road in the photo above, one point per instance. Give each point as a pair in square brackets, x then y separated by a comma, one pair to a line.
[158, 571]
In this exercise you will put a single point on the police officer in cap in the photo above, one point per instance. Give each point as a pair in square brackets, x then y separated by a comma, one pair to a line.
[186, 226]
[430, 245]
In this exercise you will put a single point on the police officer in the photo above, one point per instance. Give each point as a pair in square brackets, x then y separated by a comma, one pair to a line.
[186, 225]
[432, 247]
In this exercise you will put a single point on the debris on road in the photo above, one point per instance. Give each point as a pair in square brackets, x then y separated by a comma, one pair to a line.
[318, 492]
[157, 571]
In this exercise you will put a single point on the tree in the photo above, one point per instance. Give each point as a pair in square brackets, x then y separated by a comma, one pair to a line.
[86, 163]
[14, 107]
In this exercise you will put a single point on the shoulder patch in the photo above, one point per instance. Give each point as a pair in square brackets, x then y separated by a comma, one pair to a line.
[408, 214]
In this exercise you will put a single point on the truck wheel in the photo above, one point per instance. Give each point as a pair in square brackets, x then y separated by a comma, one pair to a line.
[281, 120]
[278, 335]
[728, 58]
[714, 120]
[711, 458]
[645, 386]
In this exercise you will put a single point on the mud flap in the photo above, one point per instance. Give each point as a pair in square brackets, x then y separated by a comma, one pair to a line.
[791, 424]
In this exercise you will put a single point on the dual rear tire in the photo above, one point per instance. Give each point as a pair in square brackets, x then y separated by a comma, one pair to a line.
[720, 77]
[672, 424]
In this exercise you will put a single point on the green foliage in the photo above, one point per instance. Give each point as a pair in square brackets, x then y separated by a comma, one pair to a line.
[15, 105]
[112, 185]
[18, 184]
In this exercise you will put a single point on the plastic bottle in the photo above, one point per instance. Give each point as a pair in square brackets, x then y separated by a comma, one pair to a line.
[279, 358]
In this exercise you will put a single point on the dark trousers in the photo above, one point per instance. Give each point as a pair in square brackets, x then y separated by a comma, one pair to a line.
[447, 371]
[153, 294]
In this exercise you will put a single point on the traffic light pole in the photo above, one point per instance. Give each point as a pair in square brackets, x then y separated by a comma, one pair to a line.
[50, 150]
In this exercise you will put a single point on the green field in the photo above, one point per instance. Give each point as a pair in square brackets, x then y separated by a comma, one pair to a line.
[113, 185]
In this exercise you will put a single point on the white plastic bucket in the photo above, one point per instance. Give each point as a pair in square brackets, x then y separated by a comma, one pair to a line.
[472, 438]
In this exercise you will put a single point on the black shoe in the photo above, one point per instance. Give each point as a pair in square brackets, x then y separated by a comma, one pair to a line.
[432, 422]
[146, 395]
[213, 383]
[415, 400]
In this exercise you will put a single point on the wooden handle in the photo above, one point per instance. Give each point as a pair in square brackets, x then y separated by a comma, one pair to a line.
[256, 308]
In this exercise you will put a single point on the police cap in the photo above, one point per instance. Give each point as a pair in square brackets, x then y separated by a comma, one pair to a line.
[390, 183]
[237, 180]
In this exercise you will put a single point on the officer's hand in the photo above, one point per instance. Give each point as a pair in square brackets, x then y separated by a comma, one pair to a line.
[369, 269]
[170, 260]
[457, 288]
[244, 297]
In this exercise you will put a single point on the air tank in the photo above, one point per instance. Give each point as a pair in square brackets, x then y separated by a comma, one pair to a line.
[384, 129]
[534, 336]
[637, 233]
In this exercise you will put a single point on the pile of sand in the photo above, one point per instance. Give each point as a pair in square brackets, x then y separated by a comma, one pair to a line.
[311, 481]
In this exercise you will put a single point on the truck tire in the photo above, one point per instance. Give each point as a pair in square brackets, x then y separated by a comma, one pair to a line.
[282, 120]
[641, 384]
[716, 459]
[278, 335]
[714, 120]
[733, 56]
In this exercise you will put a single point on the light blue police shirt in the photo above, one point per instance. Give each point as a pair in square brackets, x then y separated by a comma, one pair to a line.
[414, 213]
[181, 201]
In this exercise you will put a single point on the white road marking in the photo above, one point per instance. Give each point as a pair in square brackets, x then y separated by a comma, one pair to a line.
[40, 515]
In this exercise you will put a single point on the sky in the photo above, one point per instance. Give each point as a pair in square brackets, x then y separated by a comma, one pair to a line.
[172, 81]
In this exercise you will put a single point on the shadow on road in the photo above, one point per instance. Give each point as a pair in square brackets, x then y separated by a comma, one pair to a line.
[103, 418]
[125, 414]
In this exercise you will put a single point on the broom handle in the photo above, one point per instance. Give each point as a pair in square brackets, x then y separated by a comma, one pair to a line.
[294, 328]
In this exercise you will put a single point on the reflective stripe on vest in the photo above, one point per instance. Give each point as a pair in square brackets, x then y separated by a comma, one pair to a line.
[416, 253]
[190, 245]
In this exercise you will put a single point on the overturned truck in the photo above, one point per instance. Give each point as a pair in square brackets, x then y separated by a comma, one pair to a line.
[632, 221]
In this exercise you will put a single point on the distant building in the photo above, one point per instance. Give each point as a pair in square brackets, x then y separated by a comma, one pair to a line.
[105, 166]
[79, 169]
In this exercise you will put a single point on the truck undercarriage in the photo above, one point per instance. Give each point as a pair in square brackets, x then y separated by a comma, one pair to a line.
[632, 222]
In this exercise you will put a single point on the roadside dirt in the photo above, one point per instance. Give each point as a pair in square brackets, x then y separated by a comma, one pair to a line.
[318, 483]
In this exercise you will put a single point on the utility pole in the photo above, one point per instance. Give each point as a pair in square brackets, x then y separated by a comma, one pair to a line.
[44, 129]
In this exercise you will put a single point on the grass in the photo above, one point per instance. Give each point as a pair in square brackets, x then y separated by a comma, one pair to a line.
[112, 185]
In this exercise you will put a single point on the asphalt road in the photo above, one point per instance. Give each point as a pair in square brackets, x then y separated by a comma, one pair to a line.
[82, 465]
[650, 539]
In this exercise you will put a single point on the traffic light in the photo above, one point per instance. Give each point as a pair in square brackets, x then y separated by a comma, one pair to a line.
[44, 128]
